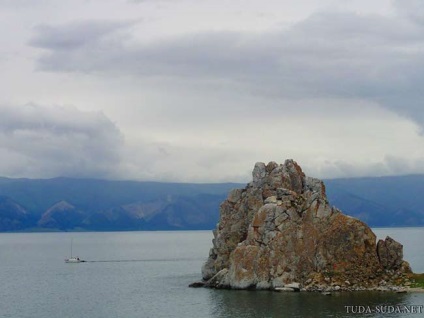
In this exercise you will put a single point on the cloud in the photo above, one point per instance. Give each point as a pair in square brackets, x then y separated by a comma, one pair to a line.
[388, 166]
[82, 45]
[21, 3]
[204, 105]
[329, 55]
[412, 9]
[155, 1]
[76, 35]
[40, 141]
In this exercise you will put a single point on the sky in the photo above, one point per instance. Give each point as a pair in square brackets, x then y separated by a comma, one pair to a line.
[198, 91]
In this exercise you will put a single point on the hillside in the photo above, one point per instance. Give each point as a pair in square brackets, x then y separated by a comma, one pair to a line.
[384, 201]
[99, 205]
[13, 216]
[102, 205]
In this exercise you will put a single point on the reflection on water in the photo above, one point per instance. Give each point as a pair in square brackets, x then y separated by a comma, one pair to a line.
[227, 303]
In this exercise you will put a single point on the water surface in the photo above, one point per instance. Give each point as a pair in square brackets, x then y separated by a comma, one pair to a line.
[146, 274]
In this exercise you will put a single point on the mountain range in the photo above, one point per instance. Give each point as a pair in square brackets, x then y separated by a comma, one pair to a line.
[66, 204]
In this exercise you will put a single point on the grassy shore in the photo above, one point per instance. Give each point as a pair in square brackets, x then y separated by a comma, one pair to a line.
[417, 280]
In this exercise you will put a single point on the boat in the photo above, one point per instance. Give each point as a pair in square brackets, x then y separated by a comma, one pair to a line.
[73, 259]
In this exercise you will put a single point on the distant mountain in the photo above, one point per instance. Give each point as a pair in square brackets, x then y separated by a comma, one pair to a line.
[61, 216]
[100, 205]
[383, 201]
[13, 216]
[66, 204]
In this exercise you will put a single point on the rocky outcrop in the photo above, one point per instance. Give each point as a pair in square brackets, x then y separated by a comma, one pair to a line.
[280, 231]
[390, 253]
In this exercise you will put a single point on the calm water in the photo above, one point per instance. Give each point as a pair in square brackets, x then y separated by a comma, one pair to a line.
[35, 281]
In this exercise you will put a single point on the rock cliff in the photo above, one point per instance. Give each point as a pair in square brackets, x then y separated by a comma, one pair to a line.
[280, 231]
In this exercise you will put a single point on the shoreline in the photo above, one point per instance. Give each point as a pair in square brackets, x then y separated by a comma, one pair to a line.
[329, 291]
[415, 290]
[407, 287]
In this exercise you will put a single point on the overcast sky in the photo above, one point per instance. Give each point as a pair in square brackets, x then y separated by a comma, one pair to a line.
[198, 91]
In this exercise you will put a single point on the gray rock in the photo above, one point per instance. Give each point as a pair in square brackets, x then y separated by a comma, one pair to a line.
[220, 280]
[281, 232]
[234, 195]
[294, 286]
[208, 269]
[263, 285]
[197, 284]
[283, 192]
[259, 173]
[271, 199]
[390, 253]
[284, 289]
[402, 291]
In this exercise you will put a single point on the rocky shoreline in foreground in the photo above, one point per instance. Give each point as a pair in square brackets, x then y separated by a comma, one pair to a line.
[280, 233]
[328, 290]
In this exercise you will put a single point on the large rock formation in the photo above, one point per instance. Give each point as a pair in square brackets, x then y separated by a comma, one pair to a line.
[281, 231]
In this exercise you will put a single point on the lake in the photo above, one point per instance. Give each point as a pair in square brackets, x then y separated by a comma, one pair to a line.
[146, 274]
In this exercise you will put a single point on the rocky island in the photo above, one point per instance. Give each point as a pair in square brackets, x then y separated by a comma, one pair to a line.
[281, 233]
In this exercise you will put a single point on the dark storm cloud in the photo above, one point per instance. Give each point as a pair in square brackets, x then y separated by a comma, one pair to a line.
[56, 141]
[328, 55]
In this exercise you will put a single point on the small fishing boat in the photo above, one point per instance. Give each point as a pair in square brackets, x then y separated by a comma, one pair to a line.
[73, 259]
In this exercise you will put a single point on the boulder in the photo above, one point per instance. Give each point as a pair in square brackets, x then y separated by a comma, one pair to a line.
[390, 253]
[284, 289]
[294, 286]
[219, 280]
[197, 284]
[281, 232]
